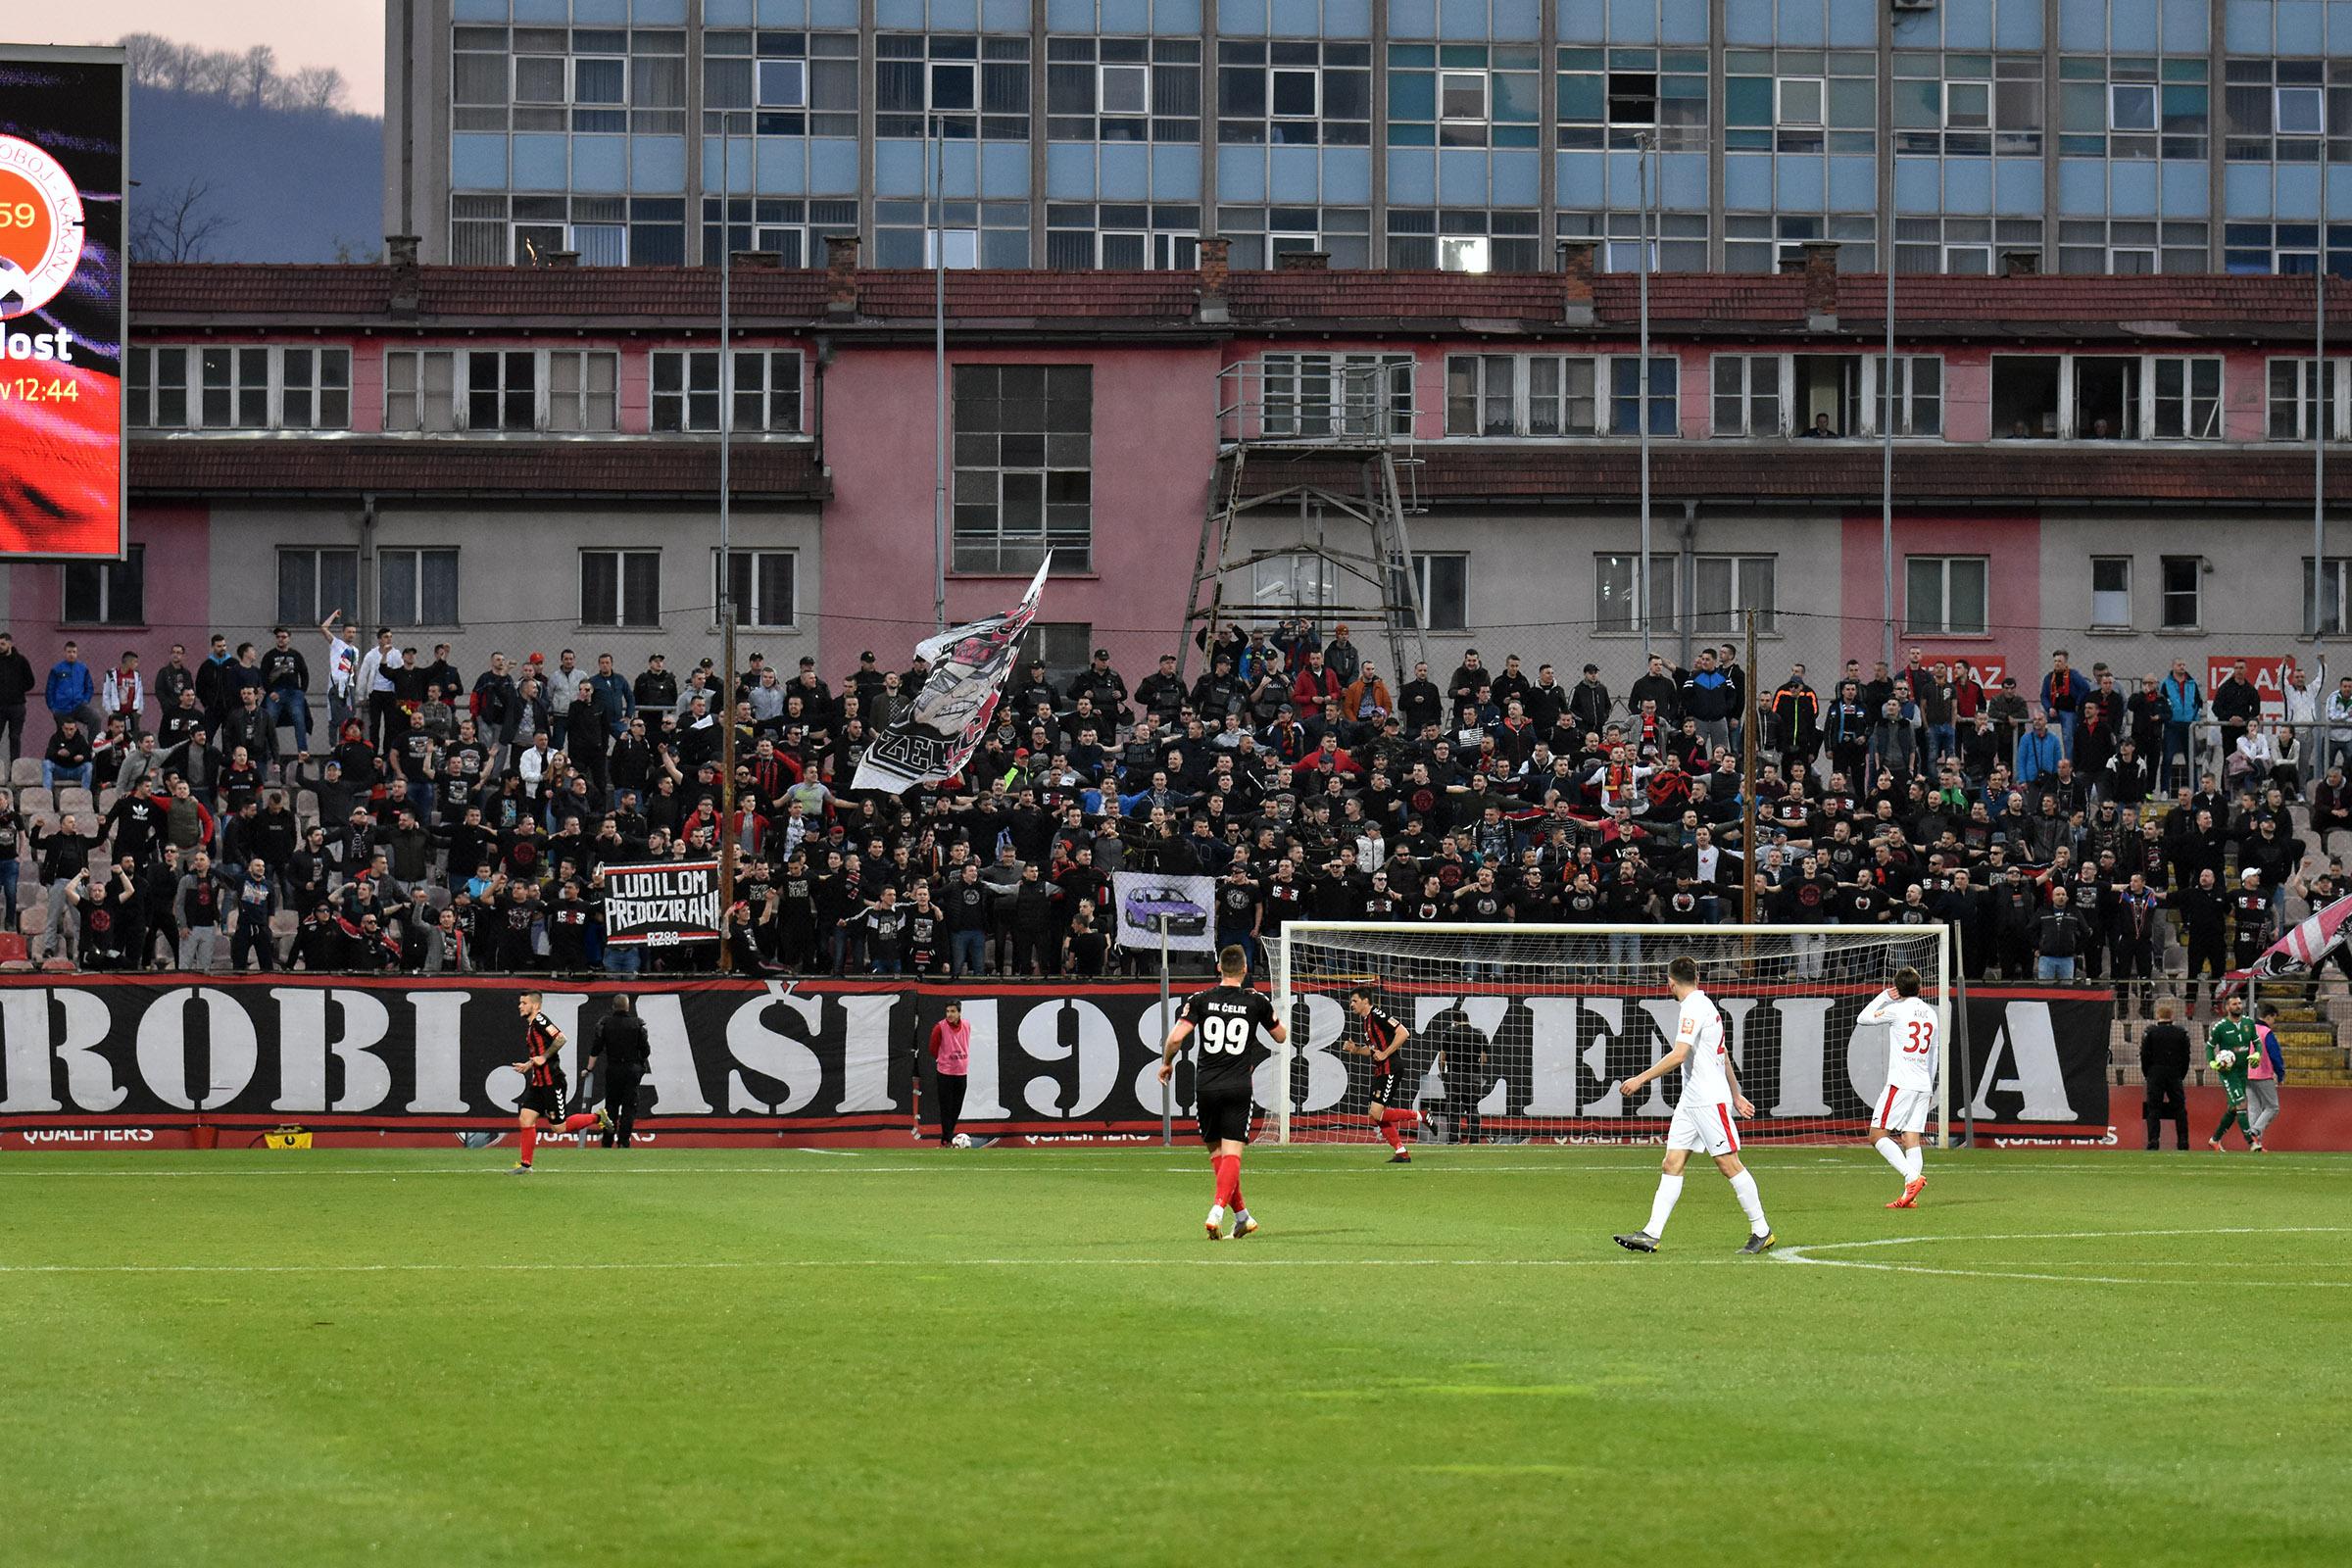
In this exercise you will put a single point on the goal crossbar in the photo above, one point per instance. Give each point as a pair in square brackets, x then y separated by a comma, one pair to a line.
[1549, 1016]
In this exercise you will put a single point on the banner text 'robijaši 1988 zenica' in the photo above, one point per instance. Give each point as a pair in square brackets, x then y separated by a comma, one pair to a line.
[832, 1056]
[62, 183]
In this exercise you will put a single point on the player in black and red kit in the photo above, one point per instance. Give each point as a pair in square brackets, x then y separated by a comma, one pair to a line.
[1383, 1038]
[1228, 1019]
[543, 1081]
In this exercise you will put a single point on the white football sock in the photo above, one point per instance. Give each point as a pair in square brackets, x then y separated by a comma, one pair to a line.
[1240, 1216]
[1744, 1187]
[1216, 1213]
[1669, 1188]
[1913, 1162]
[1892, 1152]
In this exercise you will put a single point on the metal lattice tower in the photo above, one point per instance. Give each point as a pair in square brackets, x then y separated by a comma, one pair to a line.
[1315, 470]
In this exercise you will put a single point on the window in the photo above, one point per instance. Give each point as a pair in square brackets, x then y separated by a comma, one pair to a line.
[159, 389]
[2299, 391]
[1800, 99]
[1917, 387]
[315, 393]
[792, 228]
[1613, 593]
[1625, 395]
[1122, 89]
[1526, 394]
[1608, 98]
[2301, 112]
[1442, 588]
[783, 84]
[2130, 106]
[107, 593]
[502, 390]
[1968, 105]
[1025, 467]
[906, 234]
[1294, 92]
[2025, 396]
[1064, 646]
[967, 86]
[1677, 241]
[766, 391]
[582, 390]
[2182, 579]
[772, 83]
[1727, 588]
[417, 587]
[1345, 394]
[2331, 607]
[620, 587]
[2111, 591]
[312, 584]
[1462, 97]
[1747, 394]
[1944, 596]
[1125, 235]
[764, 587]
[2188, 399]
[236, 389]
[419, 389]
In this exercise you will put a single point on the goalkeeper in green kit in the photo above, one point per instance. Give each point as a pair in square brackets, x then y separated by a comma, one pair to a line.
[2230, 1047]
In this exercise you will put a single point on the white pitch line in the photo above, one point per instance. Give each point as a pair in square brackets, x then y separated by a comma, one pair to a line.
[1805, 1255]
[857, 1262]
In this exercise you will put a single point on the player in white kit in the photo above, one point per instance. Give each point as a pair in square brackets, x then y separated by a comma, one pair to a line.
[1902, 1106]
[1703, 1116]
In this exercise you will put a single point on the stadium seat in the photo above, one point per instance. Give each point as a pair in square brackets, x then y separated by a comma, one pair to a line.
[25, 771]
[15, 954]
[74, 798]
[57, 965]
[36, 801]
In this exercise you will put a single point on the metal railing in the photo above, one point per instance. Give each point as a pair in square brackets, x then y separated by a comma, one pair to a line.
[1317, 400]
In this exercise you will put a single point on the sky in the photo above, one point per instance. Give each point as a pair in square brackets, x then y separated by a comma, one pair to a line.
[348, 34]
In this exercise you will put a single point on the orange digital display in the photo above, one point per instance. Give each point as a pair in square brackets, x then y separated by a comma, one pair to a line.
[61, 314]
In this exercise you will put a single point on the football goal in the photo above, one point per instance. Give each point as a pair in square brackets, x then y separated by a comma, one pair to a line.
[1521, 1033]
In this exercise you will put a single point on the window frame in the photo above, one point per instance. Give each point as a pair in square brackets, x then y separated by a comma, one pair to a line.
[2115, 116]
[111, 577]
[145, 391]
[1906, 398]
[2167, 594]
[1943, 625]
[2328, 401]
[1663, 582]
[1820, 87]
[320, 388]
[1000, 549]
[319, 606]
[1742, 567]
[420, 392]
[2097, 622]
[586, 401]
[1425, 572]
[748, 618]
[1749, 397]
[622, 556]
[413, 617]
[2200, 414]
[1336, 409]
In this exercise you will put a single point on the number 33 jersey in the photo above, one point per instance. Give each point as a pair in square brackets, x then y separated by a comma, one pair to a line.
[1226, 1048]
[1910, 1039]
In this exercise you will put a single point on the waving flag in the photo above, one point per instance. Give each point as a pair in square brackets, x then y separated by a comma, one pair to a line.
[942, 727]
[2299, 951]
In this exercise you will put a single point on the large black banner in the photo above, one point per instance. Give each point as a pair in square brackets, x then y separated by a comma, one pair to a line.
[661, 903]
[837, 1058]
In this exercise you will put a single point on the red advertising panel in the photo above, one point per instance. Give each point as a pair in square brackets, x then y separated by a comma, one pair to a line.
[2268, 672]
[63, 124]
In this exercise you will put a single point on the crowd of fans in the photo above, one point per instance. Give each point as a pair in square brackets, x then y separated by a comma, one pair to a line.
[2067, 829]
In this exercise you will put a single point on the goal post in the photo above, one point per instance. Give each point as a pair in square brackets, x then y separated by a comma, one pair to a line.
[1520, 1033]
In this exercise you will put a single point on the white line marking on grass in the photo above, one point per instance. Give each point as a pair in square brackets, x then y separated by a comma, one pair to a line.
[1807, 1255]
[857, 1262]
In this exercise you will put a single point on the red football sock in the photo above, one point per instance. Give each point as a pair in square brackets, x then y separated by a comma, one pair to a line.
[530, 1142]
[1229, 1179]
[1238, 1201]
[1404, 1117]
[579, 1121]
[1387, 1133]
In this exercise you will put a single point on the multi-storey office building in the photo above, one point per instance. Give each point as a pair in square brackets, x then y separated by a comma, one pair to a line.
[2102, 135]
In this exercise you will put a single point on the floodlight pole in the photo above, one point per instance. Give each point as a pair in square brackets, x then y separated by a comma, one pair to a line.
[726, 555]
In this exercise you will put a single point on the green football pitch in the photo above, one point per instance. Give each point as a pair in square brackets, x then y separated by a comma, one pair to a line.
[1030, 1356]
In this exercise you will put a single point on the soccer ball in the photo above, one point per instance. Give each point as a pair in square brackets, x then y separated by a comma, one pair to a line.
[963, 1140]
[2224, 1059]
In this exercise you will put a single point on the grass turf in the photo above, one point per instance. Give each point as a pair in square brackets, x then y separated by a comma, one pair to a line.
[1032, 1356]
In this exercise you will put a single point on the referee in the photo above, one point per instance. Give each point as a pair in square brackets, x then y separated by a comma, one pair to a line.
[624, 1053]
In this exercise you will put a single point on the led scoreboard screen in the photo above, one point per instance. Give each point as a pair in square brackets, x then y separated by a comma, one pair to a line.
[63, 130]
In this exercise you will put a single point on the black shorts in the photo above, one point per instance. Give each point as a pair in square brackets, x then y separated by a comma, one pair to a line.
[1224, 1116]
[545, 1099]
[1384, 1092]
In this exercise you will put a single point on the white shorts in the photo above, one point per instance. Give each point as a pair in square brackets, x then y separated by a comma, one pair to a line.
[1705, 1128]
[1902, 1111]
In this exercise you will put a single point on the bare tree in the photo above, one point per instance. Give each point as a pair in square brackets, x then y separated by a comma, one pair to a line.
[314, 87]
[153, 60]
[256, 70]
[177, 224]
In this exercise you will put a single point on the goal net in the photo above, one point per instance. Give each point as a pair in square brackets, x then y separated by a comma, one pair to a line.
[1521, 1033]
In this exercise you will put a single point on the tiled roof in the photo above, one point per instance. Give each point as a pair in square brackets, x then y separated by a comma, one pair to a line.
[167, 293]
[639, 468]
[1841, 472]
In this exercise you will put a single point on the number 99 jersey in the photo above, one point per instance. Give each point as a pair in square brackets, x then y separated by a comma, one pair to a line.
[1226, 1047]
